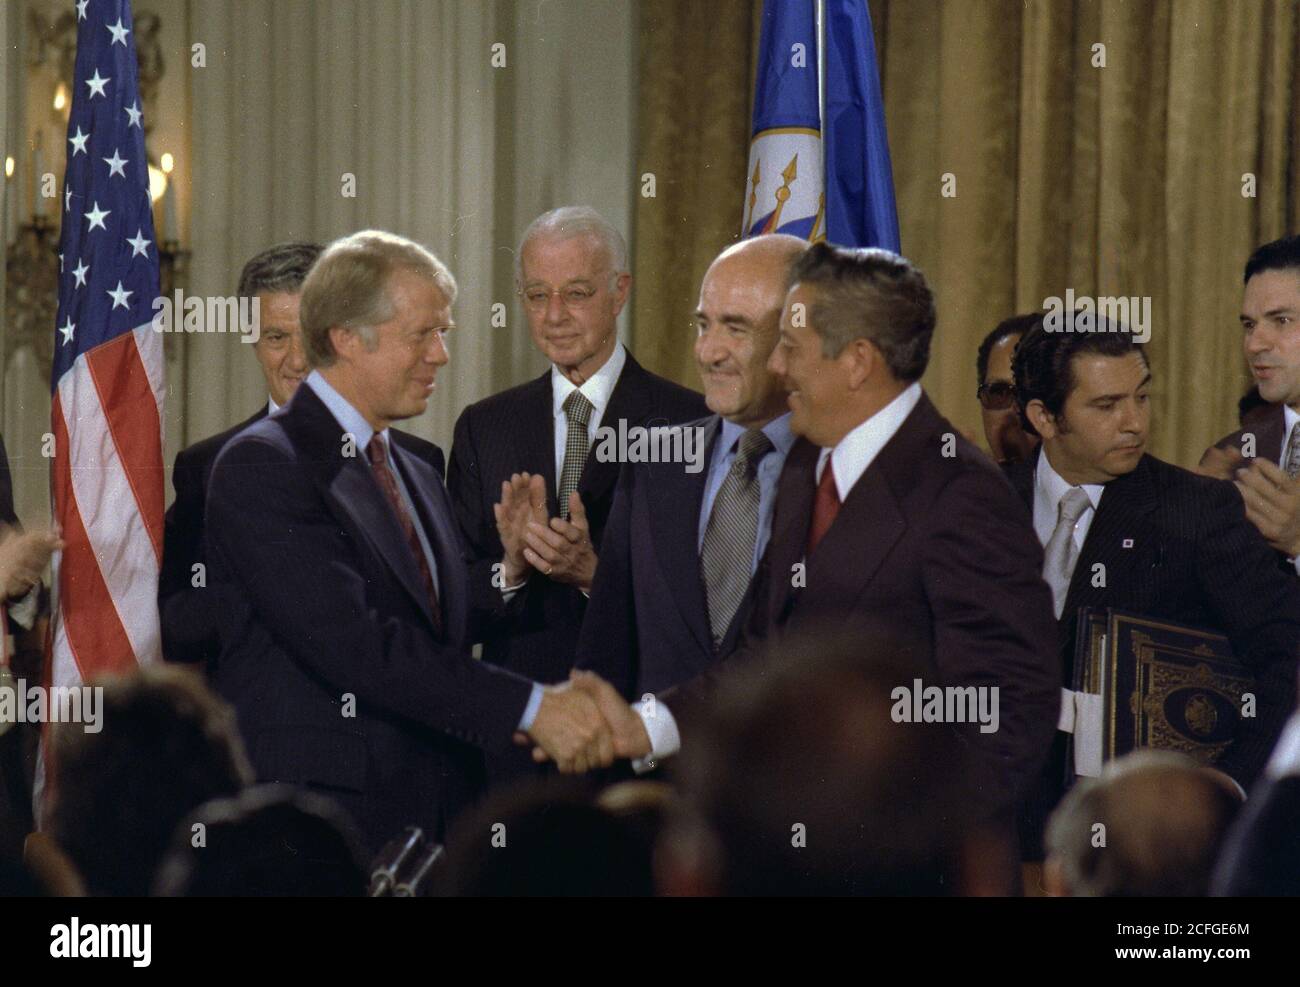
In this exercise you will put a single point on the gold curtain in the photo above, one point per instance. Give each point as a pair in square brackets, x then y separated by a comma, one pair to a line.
[1114, 170]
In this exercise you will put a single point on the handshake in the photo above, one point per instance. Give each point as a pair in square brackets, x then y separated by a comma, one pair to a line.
[584, 724]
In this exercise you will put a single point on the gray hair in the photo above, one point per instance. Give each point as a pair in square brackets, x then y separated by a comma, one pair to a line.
[348, 288]
[567, 222]
[869, 294]
[282, 268]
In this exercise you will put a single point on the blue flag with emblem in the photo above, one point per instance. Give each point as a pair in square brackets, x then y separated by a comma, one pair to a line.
[819, 155]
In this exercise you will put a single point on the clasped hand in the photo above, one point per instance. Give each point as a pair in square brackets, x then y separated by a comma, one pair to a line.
[558, 549]
[585, 724]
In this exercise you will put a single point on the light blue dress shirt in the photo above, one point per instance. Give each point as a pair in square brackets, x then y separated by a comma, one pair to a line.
[769, 470]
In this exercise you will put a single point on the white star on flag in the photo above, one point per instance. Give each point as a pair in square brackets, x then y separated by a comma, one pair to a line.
[118, 32]
[67, 329]
[80, 272]
[67, 199]
[115, 164]
[78, 142]
[81, 9]
[140, 244]
[134, 113]
[96, 217]
[97, 84]
[119, 296]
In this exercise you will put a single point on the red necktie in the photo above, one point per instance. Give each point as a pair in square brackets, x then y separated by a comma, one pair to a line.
[378, 456]
[825, 506]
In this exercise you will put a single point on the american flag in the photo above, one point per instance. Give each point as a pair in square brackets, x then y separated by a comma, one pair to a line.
[108, 379]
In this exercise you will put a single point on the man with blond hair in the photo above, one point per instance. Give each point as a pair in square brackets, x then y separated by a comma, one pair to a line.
[345, 650]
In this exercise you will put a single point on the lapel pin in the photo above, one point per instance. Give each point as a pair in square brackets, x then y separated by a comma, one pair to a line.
[1128, 542]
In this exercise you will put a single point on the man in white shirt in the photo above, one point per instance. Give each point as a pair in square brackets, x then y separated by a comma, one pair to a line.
[1124, 530]
[885, 514]
[530, 492]
[1264, 459]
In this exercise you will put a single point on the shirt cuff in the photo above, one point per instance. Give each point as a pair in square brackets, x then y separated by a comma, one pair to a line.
[508, 592]
[1296, 562]
[23, 611]
[1285, 759]
[530, 711]
[661, 728]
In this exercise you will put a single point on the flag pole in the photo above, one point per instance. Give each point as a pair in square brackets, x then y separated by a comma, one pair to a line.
[820, 6]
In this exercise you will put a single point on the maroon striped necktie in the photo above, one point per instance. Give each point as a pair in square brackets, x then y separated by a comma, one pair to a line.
[377, 453]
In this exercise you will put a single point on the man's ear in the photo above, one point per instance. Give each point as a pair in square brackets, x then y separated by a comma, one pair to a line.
[343, 340]
[1042, 420]
[863, 359]
[622, 285]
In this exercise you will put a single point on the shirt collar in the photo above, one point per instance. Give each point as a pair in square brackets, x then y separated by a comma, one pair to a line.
[597, 388]
[1053, 487]
[1290, 417]
[351, 420]
[777, 430]
[271, 406]
[858, 450]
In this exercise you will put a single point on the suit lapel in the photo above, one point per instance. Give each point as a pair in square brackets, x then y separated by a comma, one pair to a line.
[350, 487]
[534, 431]
[434, 508]
[629, 400]
[1114, 535]
[794, 502]
[675, 506]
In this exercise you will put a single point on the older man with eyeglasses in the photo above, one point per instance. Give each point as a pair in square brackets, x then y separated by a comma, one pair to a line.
[529, 491]
[1008, 441]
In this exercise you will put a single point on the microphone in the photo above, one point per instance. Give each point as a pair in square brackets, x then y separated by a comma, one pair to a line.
[395, 855]
[414, 880]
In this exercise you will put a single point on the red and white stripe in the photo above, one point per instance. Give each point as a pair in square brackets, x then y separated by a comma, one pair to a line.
[107, 482]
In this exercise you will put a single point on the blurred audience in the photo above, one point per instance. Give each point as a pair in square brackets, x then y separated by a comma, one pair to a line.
[268, 841]
[167, 745]
[1150, 825]
[803, 784]
[546, 839]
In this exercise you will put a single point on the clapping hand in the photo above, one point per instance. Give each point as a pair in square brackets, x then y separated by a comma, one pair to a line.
[523, 501]
[562, 550]
[1272, 504]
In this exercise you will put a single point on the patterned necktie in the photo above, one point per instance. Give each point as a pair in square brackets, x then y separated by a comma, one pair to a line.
[1291, 461]
[577, 409]
[1061, 553]
[377, 453]
[825, 507]
[727, 556]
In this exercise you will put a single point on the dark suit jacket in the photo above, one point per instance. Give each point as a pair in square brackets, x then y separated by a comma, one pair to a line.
[1268, 432]
[191, 617]
[513, 432]
[937, 546]
[1194, 559]
[326, 611]
[647, 623]
[1261, 853]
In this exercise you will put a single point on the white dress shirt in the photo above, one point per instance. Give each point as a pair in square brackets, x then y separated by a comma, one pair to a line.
[1049, 489]
[597, 389]
[1290, 420]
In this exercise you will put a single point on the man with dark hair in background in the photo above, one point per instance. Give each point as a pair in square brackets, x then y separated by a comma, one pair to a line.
[1263, 457]
[1171, 544]
[188, 607]
[996, 390]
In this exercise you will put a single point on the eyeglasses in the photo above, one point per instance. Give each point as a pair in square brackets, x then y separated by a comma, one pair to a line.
[572, 296]
[997, 396]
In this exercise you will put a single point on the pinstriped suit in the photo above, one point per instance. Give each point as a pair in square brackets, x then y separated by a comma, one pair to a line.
[1177, 545]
